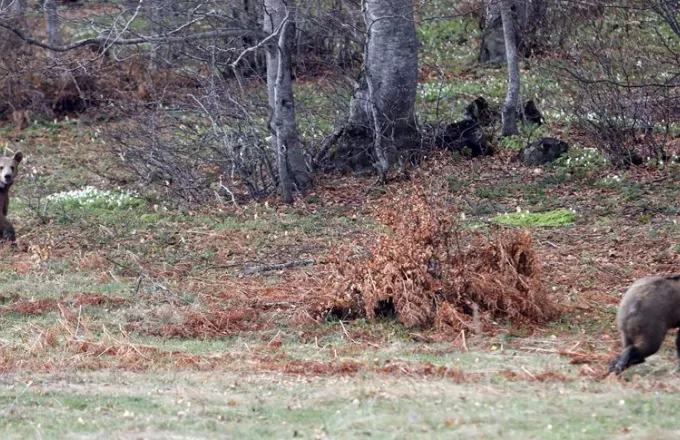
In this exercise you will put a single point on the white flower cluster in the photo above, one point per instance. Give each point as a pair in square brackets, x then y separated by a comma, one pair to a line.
[95, 197]
[674, 159]
[586, 158]
[611, 179]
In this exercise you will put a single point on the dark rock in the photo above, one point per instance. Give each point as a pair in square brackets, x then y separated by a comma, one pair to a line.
[465, 136]
[544, 151]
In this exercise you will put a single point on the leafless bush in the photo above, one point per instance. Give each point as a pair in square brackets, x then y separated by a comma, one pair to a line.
[182, 81]
[621, 77]
[205, 150]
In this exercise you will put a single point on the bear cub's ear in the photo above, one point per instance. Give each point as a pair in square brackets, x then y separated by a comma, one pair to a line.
[18, 156]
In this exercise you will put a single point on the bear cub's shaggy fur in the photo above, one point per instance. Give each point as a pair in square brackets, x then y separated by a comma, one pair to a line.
[9, 168]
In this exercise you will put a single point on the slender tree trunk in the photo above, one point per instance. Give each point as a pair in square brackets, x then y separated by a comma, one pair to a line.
[52, 18]
[156, 29]
[381, 119]
[16, 9]
[292, 167]
[512, 98]
[530, 18]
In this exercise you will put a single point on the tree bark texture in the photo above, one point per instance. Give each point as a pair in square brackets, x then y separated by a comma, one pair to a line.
[381, 121]
[509, 115]
[52, 19]
[14, 14]
[529, 20]
[16, 9]
[293, 171]
[155, 15]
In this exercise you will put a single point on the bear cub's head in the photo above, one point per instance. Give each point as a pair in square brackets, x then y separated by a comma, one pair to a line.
[9, 167]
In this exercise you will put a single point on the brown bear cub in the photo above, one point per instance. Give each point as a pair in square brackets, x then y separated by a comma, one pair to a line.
[9, 167]
[649, 308]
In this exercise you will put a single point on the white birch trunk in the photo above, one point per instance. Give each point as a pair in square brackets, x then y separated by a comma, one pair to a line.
[510, 106]
[292, 167]
[382, 108]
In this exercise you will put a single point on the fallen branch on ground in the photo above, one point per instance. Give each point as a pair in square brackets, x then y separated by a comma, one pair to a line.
[270, 267]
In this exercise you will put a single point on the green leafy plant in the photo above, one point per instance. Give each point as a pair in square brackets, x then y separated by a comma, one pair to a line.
[612, 181]
[559, 217]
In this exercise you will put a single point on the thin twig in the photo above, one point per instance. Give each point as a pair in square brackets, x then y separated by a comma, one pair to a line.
[16, 400]
[347, 334]
[528, 372]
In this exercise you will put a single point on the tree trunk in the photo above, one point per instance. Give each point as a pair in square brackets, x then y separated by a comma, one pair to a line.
[52, 18]
[512, 98]
[292, 167]
[156, 29]
[530, 20]
[492, 49]
[10, 44]
[381, 121]
[16, 9]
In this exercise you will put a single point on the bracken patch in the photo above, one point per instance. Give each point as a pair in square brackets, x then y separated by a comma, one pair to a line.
[426, 273]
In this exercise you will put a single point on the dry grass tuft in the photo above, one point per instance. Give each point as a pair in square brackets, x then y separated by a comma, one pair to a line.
[211, 324]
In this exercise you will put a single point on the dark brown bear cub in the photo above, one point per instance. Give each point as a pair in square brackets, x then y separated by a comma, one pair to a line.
[649, 308]
[9, 167]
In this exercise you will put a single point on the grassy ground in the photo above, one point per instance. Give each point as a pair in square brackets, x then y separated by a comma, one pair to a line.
[251, 405]
[131, 318]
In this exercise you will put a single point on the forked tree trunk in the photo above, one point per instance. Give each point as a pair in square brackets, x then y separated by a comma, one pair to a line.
[52, 19]
[510, 106]
[292, 167]
[381, 123]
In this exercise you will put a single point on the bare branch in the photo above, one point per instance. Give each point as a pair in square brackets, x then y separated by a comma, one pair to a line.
[158, 39]
[263, 42]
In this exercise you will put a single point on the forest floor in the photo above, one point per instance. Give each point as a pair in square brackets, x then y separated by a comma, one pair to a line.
[133, 321]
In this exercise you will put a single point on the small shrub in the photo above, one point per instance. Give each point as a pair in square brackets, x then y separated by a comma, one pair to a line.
[528, 134]
[455, 184]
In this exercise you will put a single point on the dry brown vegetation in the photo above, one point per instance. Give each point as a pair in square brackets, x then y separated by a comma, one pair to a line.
[428, 272]
[356, 284]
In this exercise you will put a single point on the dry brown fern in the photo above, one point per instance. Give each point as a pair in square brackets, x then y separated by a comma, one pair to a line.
[419, 266]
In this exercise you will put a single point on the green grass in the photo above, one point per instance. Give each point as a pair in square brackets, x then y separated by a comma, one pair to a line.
[560, 217]
[187, 258]
[54, 282]
[258, 406]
